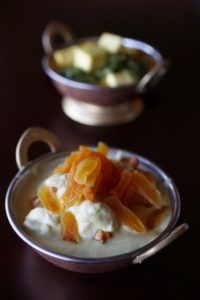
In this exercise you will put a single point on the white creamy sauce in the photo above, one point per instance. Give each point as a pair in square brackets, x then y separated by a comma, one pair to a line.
[124, 240]
[44, 227]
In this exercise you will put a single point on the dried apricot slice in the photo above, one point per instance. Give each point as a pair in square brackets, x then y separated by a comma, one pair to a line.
[129, 194]
[90, 193]
[148, 175]
[146, 188]
[139, 199]
[124, 214]
[69, 227]
[74, 198]
[72, 187]
[85, 151]
[70, 160]
[122, 184]
[87, 171]
[102, 148]
[156, 217]
[49, 200]
[110, 175]
[59, 169]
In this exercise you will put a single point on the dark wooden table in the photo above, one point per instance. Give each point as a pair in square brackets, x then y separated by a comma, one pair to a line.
[167, 133]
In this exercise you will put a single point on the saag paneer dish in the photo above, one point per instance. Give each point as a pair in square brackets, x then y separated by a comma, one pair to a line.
[104, 62]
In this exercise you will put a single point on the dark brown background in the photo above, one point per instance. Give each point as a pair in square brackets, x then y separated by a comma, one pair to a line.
[167, 133]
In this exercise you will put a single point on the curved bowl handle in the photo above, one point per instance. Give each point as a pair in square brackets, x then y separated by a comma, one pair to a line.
[31, 135]
[51, 32]
[153, 76]
[164, 242]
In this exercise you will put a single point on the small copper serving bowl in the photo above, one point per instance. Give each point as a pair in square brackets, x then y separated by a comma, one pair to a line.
[30, 175]
[96, 94]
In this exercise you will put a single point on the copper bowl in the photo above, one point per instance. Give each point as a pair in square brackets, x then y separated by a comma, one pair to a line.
[32, 173]
[96, 94]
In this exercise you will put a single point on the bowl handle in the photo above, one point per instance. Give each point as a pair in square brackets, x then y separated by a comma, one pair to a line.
[161, 244]
[55, 30]
[31, 135]
[153, 76]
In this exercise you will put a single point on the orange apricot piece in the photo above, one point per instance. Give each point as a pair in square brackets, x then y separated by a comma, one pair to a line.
[148, 175]
[59, 169]
[123, 183]
[87, 171]
[90, 193]
[91, 174]
[69, 227]
[84, 151]
[75, 198]
[139, 200]
[70, 160]
[49, 200]
[124, 214]
[146, 188]
[102, 148]
[110, 175]
[129, 194]
[156, 217]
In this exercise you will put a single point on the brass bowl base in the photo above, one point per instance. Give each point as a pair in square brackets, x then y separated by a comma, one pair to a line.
[95, 115]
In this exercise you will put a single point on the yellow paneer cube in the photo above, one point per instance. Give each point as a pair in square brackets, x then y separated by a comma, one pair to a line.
[120, 78]
[89, 56]
[64, 57]
[110, 42]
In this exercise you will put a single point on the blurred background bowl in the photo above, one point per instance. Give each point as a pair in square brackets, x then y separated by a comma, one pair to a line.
[91, 93]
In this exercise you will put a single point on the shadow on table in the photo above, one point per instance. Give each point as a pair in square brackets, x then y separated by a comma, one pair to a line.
[42, 280]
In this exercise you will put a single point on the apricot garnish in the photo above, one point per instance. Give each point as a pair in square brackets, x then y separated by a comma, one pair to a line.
[70, 160]
[148, 175]
[129, 193]
[146, 188]
[123, 183]
[124, 214]
[49, 200]
[87, 171]
[134, 187]
[139, 200]
[156, 217]
[59, 169]
[69, 227]
[102, 148]
[90, 193]
[76, 198]
[85, 151]
[91, 174]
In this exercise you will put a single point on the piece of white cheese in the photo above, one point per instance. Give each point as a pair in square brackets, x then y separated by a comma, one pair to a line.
[88, 56]
[64, 57]
[93, 216]
[110, 42]
[41, 221]
[58, 181]
[120, 78]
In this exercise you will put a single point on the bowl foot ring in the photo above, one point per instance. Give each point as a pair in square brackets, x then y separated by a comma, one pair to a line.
[95, 115]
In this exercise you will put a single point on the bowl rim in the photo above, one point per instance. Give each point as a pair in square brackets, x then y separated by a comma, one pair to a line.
[145, 47]
[176, 206]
